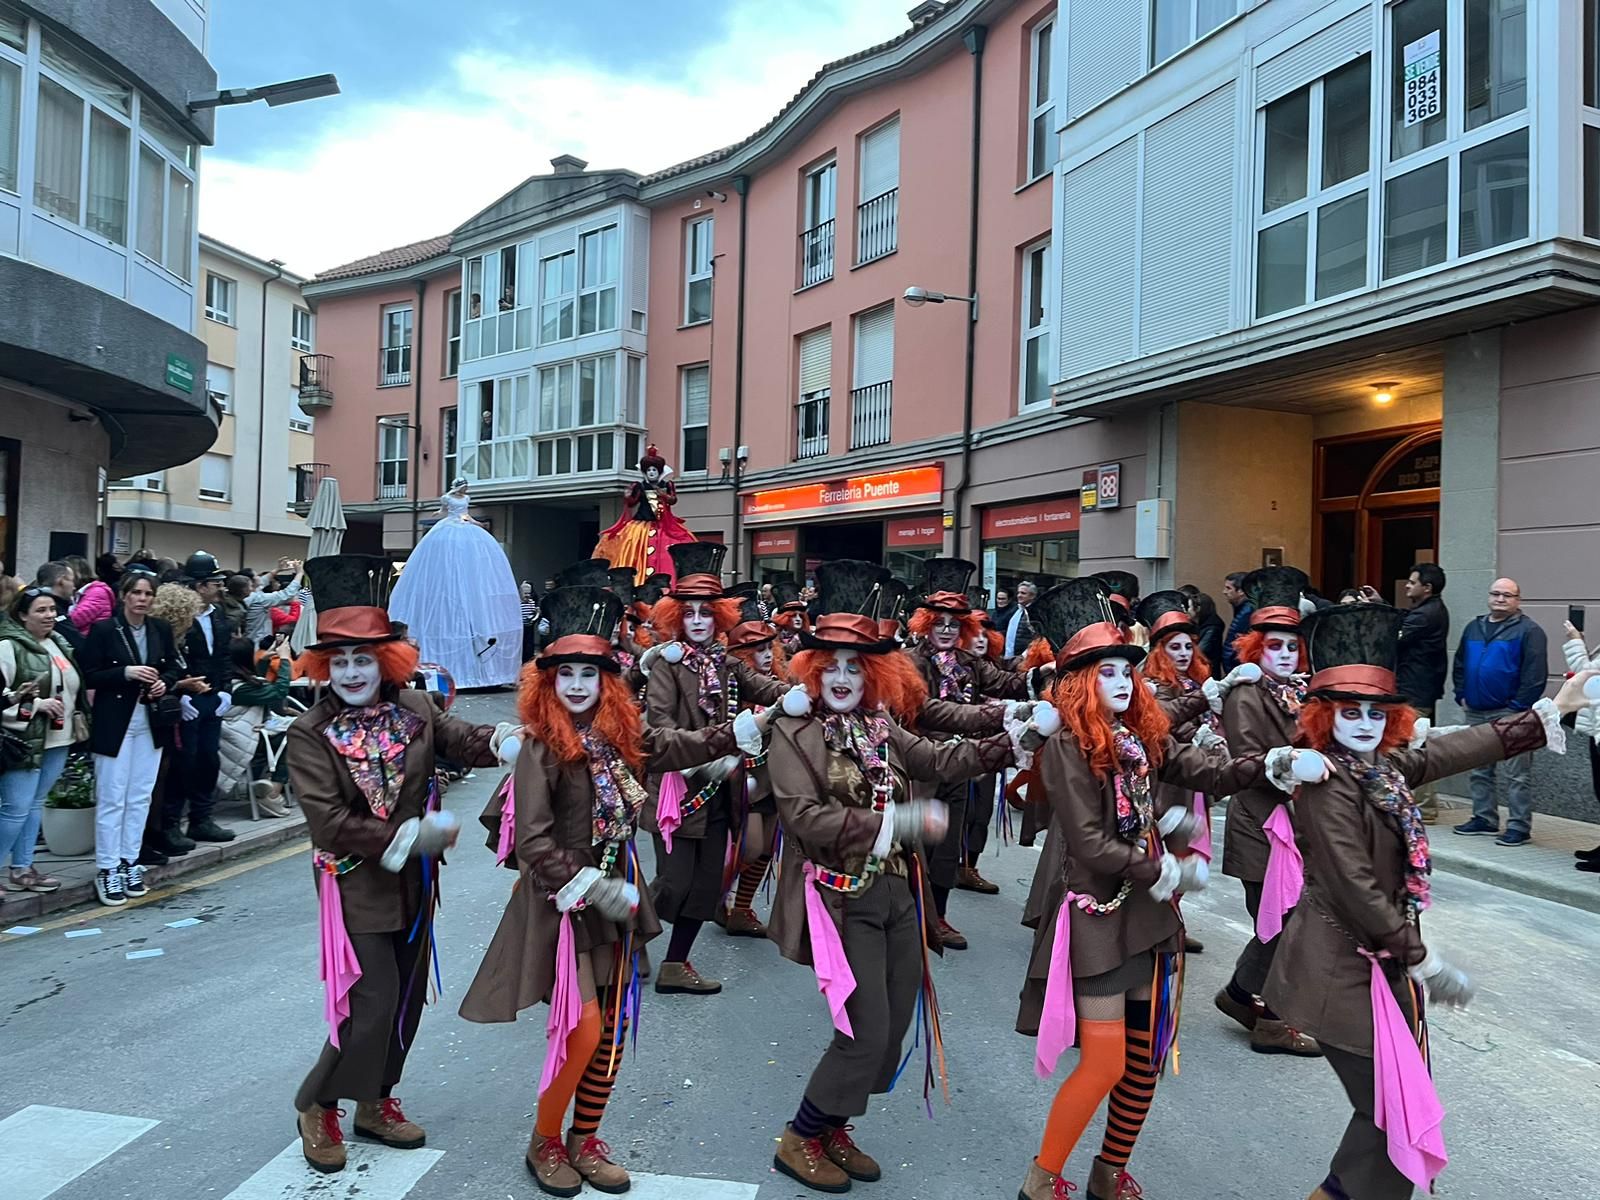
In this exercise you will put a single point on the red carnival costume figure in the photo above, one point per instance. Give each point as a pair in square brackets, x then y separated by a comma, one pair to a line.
[361, 762]
[647, 530]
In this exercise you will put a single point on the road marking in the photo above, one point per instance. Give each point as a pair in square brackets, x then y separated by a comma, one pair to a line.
[371, 1173]
[82, 933]
[42, 1149]
[21, 930]
[132, 954]
[687, 1187]
[185, 923]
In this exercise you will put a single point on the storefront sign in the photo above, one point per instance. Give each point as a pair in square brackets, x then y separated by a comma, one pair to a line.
[775, 542]
[1089, 491]
[1035, 519]
[1109, 486]
[854, 496]
[1422, 79]
[915, 532]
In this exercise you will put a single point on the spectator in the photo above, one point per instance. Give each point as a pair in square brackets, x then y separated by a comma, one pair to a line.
[1233, 593]
[1500, 667]
[1000, 614]
[57, 578]
[1587, 726]
[1423, 661]
[261, 608]
[530, 621]
[1350, 596]
[1210, 625]
[257, 698]
[205, 649]
[1019, 630]
[9, 587]
[95, 600]
[40, 671]
[235, 590]
[130, 660]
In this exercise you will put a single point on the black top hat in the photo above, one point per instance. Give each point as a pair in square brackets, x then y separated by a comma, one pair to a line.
[753, 628]
[1123, 590]
[582, 622]
[1353, 650]
[944, 583]
[586, 572]
[851, 598]
[698, 567]
[747, 590]
[1078, 620]
[1165, 613]
[653, 588]
[352, 592]
[1275, 592]
[785, 590]
[621, 582]
[978, 597]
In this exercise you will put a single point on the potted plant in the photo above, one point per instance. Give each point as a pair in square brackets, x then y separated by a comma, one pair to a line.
[68, 817]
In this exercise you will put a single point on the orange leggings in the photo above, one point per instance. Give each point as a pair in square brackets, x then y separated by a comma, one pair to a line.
[581, 1045]
[1101, 1061]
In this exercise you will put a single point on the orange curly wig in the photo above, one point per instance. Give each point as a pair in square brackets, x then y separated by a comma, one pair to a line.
[995, 645]
[1248, 646]
[616, 718]
[666, 618]
[780, 658]
[921, 625]
[1158, 665]
[1077, 699]
[1315, 726]
[1037, 654]
[892, 681]
[397, 663]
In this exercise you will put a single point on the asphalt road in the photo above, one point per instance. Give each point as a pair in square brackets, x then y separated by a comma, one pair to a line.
[170, 1074]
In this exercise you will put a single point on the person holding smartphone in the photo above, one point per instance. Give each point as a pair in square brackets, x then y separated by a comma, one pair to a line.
[1587, 722]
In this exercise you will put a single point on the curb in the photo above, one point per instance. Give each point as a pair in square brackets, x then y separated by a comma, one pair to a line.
[1577, 894]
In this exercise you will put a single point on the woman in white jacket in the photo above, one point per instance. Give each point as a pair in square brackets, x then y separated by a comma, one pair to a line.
[1588, 725]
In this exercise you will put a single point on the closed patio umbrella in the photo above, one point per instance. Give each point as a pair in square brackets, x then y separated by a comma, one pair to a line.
[327, 523]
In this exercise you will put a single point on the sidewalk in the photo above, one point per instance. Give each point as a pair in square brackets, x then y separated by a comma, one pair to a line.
[1543, 868]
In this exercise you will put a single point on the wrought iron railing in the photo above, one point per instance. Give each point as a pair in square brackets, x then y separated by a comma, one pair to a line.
[816, 254]
[869, 415]
[394, 365]
[811, 427]
[877, 226]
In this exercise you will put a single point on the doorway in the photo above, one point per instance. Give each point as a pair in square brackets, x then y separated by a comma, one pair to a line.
[1377, 509]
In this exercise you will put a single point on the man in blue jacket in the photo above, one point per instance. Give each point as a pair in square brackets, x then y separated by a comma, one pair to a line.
[1233, 593]
[1501, 667]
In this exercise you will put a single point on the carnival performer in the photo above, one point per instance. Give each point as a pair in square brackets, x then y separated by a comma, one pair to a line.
[459, 599]
[1352, 969]
[1259, 844]
[943, 624]
[1106, 971]
[690, 814]
[644, 535]
[361, 763]
[1123, 589]
[754, 642]
[789, 613]
[577, 918]
[853, 899]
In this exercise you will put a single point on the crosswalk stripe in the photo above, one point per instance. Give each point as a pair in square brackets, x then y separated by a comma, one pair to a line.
[685, 1187]
[371, 1173]
[42, 1149]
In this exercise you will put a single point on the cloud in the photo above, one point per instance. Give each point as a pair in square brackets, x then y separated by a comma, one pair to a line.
[382, 174]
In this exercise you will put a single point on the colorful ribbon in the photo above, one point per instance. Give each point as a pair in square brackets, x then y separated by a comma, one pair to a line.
[1286, 875]
[835, 980]
[1405, 1103]
[566, 1006]
[1058, 1023]
[340, 966]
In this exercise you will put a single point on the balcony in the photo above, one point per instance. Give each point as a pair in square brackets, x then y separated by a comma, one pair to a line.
[869, 415]
[316, 383]
[816, 254]
[811, 427]
[308, 478]
[394, 366]
[878, 226]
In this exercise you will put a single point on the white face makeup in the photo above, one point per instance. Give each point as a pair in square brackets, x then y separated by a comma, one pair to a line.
[355, 675]
[653, 474]
[1114, 678]
[1280, 655]
[763, 658]
[578, 687]
[979, 644]
[1358, 725]
[699, 625]
[843, 682]
[945, 633]
[1180, 649]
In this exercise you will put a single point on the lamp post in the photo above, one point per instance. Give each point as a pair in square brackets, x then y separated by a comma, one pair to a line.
[916, 297]
[292, 91]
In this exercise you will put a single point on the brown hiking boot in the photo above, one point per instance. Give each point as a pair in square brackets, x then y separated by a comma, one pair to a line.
[951, 937]
[1110, 1182]
[743, 922]
[968, 880]
[382, 1121]
[1042, 1185]
[592, 1158]
[1272, 1036]
[806, 1160]
[1246, 1015]
[681, 979]
[842, 1149]
[321, 1139]
[1191, 946]
[550, 1166]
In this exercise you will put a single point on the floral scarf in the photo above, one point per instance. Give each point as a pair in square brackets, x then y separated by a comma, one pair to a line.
[372, 741]
[955, 677]
[865, 738]
[1385, 788]
[1289, 695]
[706, 661]
[1135, 810]
[1210, 719]
[617, 794]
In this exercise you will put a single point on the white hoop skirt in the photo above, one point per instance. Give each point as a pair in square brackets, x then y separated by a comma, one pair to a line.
[459, 597]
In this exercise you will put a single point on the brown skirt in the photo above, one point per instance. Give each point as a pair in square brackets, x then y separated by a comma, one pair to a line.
[1136, 972]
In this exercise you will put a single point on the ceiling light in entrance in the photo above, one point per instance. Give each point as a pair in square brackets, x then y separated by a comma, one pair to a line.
[1383, 393]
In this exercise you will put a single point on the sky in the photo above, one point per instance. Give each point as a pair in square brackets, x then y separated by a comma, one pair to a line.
[445, 106]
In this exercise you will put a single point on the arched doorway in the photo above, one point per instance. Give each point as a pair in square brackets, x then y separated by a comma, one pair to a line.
[1377, 509]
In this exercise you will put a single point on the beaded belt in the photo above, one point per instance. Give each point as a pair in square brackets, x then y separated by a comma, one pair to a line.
[839, 881]
[329, 865]
[698, 801]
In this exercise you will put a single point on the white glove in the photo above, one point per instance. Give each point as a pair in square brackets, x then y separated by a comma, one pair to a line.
[186, 709]
[506, 742]
[1193, 873]
[224, 703]
[1214, 694]
[1288, 768]
[1151, 684]
[1018, 710]
[429, 834]
[1177, 827]
[920, 821]
[1243, 673]
[672, 652]
[614, 899]
[719, 769]
[1207, 738]
[1166, 885]
[647, 660]
[1447, 984]
[796, 701]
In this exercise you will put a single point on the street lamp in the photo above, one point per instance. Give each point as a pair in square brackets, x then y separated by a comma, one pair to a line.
[918, 296]
[415, 483]
[292, 91]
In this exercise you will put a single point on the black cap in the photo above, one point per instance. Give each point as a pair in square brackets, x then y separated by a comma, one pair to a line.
[848, 589]
[785, 590]
[201, 567]
[697, 558]
[621, 582]
[352, 592]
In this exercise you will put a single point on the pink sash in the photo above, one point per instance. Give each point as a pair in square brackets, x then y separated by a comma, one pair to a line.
[1405, 1103]
[566, 1006]
[1201, 842]
[835, 980]
[1286, 875]
[669, 806]
[1058, 1023]
[340, 967]
[508, 823]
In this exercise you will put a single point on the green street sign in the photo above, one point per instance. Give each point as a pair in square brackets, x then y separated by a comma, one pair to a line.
[180, 373]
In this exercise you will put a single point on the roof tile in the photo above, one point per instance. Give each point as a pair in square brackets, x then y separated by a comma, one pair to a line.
[389, 260]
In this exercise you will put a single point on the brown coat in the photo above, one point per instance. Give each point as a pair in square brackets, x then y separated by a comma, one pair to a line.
[1253, 722]
[1185, 710]
[554, 841]
[826, 808]
[989, 682]
[1083, 847]
[342, 823]
[1355, 881]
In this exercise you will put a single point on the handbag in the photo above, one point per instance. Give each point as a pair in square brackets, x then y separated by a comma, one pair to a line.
[166, 712]
[80, 728]
[14, 751]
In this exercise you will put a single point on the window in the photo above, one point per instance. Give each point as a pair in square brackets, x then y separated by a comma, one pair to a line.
[449, 443]
[78, 100]
[291, 494]
[299, 419]
[300, 329]
[165, 231]
[697, 272]
[1416, 219]
[1494, 193]
[1176, 24]
[216, 477]
[1419, 72]
[558, 292]
[1041, 103]
[219, 299]
[394, 366]
[816, 238]
[499, 305]
[816, 390]
[219, 385]
[1036, 325]
[153, 482]
[1591, 181]
[394, 457]
[452, 333]
[877, 215]
[1497, 60]
[10, 120]
[598, 258]
[1311, 239]
[696, 390]
[633, 398]
[871, 392]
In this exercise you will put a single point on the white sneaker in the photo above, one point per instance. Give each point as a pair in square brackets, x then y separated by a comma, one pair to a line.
[108, 886]
[133, 880]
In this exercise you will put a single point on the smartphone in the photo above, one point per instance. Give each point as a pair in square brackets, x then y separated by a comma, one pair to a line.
[1575, 615]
